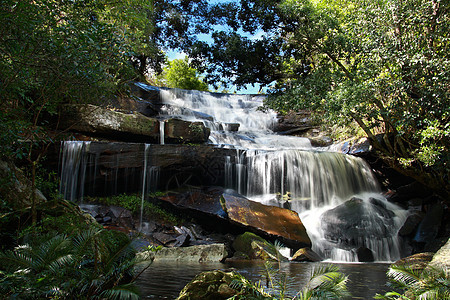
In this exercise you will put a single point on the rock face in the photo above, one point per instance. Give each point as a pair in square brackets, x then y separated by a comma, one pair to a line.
[251, 246]
[220, 208]
[212, 285]
[349, 221]
[110, 124]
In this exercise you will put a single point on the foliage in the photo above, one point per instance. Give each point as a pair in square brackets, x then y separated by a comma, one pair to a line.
[94, 264]
[179, 74]
[429, 283]
[325, 283]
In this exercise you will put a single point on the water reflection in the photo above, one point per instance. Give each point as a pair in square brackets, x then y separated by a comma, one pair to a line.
[164, 280]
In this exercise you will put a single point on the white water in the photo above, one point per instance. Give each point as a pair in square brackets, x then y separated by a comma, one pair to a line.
[287, 171]
[162, 126]
[73, 169]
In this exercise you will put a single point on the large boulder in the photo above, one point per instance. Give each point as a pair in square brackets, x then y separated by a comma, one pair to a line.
[232, 210]
[347, 223]
[179, 131]
[276, 222]
[211, 285]
[306, 254]
[251, 246]
[99, 121]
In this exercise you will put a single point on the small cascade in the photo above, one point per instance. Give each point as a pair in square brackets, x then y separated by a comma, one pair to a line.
[161, 131]
[73, 169]
[111, 176]
[222, 112]
[144, 184]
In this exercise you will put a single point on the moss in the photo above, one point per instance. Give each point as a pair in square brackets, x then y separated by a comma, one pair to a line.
[255, 247]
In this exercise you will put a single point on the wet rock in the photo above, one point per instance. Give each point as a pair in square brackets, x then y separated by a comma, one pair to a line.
[146, 92]
[321, 141]
[294, 123]
[251, 246]
[429, 227]
[164, 238]
[116, 168]
[278, 223]
[410, 191]
[231, 127]
[411, 223]
[180, 131]
[356, 218]
[364, 254]
[211, 285]
[306, 254]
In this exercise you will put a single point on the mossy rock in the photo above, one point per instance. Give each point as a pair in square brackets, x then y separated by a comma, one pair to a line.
[211, 285]
[255, 247]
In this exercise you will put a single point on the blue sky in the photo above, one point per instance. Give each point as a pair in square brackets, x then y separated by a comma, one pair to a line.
[249, 89]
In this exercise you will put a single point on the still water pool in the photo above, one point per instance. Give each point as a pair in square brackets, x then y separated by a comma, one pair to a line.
[164, 280]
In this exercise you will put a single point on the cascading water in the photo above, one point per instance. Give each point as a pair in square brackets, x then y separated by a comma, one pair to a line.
[74, 160]
[288, 172]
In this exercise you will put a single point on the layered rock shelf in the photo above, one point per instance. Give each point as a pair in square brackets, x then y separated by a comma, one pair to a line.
[130, 127]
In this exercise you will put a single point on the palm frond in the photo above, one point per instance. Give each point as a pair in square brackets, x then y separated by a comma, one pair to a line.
[325, 283]
[124, 291]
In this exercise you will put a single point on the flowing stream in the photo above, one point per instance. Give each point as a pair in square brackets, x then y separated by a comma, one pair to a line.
[336, 195]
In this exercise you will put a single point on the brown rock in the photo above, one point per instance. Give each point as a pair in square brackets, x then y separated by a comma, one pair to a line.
[281, 223]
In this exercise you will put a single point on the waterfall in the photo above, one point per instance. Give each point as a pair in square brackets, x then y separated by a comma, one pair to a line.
[336, 195]
[73, 169]
[110, 175]
[161, 131]
[288, 172]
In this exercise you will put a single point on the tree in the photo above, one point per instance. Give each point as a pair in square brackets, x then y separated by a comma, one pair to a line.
[179, 74]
